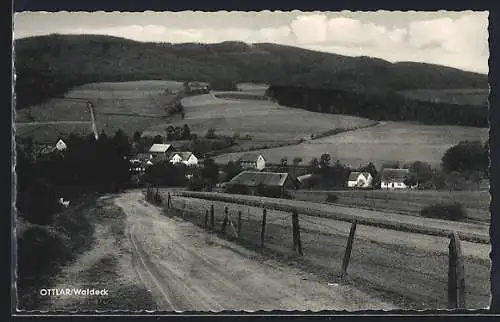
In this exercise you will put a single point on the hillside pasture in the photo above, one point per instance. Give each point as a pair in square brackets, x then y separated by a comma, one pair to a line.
[130, 106]
[263, 121]
[473, 96]
[386, 142]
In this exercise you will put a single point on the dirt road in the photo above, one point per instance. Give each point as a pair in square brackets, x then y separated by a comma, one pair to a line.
[187, 268]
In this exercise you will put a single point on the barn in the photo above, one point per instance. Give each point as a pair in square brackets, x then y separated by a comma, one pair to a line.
[160, 152]
[269, 184]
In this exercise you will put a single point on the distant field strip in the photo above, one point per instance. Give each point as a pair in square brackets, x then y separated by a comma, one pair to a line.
[385, 142]
[469, 232]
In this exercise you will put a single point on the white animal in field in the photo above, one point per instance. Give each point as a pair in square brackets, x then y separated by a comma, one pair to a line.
[64, 203]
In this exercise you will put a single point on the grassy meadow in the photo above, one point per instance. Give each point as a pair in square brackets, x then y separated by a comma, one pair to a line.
[130, 106]
[263, 121]
[388, 141]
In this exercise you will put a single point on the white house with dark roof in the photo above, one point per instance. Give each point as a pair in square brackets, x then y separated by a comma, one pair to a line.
[160, 152]
[187, 158]
[359, 180]
[393, 178]
[252, 161]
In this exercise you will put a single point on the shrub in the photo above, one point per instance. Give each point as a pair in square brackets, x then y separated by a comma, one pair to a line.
[451, 211]
[332, 197]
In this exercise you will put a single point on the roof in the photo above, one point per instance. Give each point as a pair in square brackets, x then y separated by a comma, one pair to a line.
[143, 156]
[353, 176]
[254, 178]
[160, 148]
[394, 174]
[249, 157]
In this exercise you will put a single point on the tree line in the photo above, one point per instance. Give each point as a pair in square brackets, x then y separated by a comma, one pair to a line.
[51, 65]
[380, 106]
[87, 165]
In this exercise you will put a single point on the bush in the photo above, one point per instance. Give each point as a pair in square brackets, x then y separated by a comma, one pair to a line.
[452, 211]
[332, 198]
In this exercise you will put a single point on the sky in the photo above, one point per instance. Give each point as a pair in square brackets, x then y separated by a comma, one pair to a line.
[455, 39]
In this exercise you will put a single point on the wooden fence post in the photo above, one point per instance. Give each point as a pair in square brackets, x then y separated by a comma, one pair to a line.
[299, 239]
[212, 217]
[294, 230]
[297, 242]
[169, 201]
[239, 224]
[263, 228]
[456, 274]
[348, 249]
[206, 218]
[224, 221]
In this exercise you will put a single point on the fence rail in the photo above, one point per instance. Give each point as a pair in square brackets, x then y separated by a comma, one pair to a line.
[289, 206]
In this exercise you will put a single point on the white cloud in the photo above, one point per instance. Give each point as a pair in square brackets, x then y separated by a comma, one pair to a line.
[461, 42]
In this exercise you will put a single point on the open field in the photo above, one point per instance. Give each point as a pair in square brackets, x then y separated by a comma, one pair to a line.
[131, 106]
[471, 96]
[256, 88]
[409, 202]
[242, 95]
[408, 269]
[388, 141]
[262, 120]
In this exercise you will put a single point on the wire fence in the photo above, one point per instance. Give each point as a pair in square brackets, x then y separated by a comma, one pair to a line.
[411, 276]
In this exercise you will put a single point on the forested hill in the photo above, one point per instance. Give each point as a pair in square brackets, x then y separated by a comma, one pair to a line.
[50, 65]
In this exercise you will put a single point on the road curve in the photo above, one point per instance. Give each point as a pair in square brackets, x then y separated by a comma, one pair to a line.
[189, 269]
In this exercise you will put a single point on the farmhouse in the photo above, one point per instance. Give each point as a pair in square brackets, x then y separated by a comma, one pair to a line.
[186, 158]
[160, 152]
[359, 180]
[61, 145]
[198, 87]
[270, 184]
[252, 161]
[393, 178]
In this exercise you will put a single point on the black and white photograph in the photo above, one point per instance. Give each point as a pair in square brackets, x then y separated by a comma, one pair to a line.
[237, 161]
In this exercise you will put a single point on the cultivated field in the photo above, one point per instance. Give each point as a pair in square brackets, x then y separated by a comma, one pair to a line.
[407, 269]
[471, 96]
[255, 88]
[388, 141]
[262, 120]
[131, 106]
[408, 202]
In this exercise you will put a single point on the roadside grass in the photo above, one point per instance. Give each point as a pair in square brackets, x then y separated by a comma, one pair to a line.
[44, 251]
[413, 278]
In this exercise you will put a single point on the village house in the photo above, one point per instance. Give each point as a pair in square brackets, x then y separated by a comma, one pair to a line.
[198, 87]
[45, 150]
[270, 184]
[160, 152]
[252, 161]
[393, 178]
[186, 158]
[359, 180]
